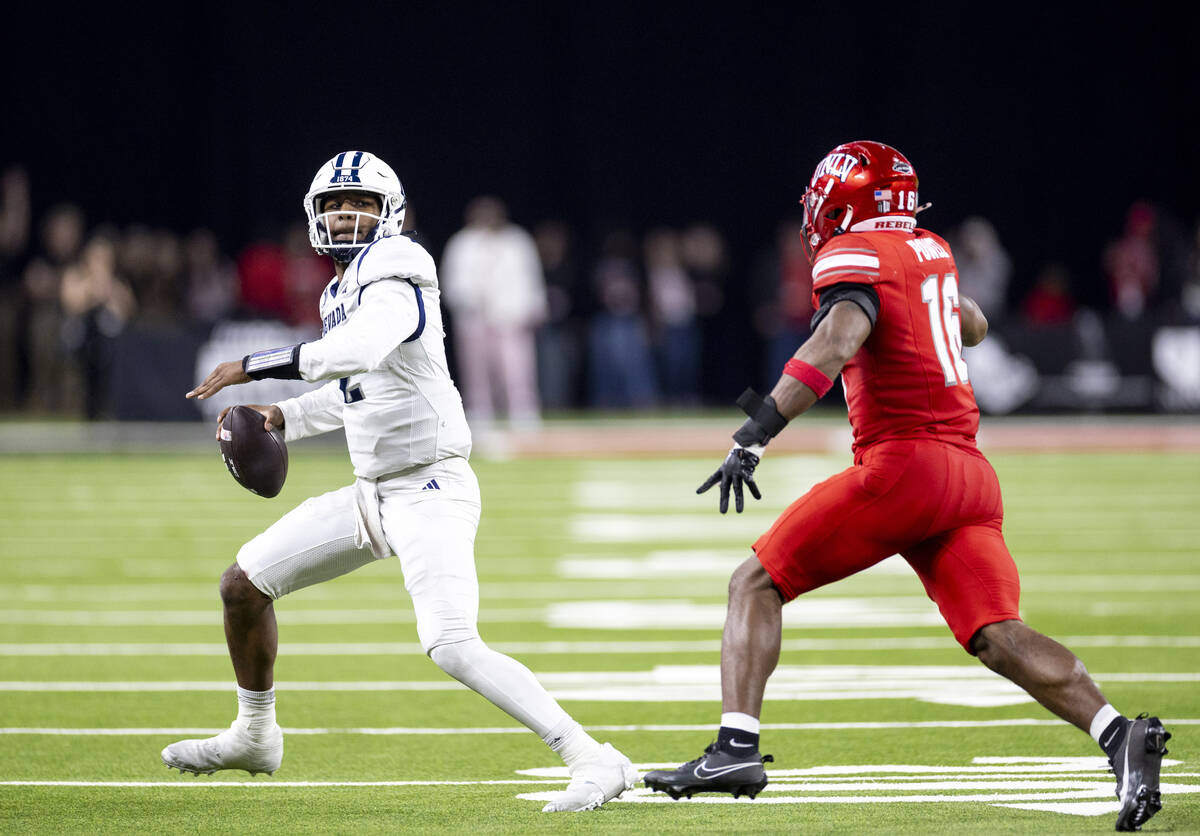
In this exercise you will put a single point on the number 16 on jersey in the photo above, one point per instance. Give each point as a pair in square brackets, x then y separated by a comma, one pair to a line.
[940, 295]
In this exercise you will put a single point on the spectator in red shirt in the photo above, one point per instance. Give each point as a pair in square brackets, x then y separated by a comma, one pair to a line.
[1132, 262]
[262, 279]
[1049, 301]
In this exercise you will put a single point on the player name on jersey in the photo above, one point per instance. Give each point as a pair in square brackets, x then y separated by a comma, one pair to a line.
[927, 249]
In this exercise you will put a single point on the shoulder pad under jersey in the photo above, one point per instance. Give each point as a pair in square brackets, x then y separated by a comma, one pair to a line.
[394, 257]
[847, 258]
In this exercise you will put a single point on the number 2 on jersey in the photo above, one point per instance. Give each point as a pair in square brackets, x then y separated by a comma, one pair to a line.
[942, 303]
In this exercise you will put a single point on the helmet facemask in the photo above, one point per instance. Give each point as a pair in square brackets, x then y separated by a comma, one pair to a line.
[367, 226]
[820, 221]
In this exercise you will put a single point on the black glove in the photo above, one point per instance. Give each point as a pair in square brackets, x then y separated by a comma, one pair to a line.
[737, 468]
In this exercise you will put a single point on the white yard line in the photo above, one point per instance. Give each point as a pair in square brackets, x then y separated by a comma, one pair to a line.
[402, 613]
[1073, 789]
[219, 685]
[644, 796]
[676, 614]
[262, 784]
[1066, 785]
[944, 684]
[407, 731]
[50, 649]
[352, 590]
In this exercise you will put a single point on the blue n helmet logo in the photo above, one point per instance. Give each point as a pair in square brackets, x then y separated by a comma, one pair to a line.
[347, 171]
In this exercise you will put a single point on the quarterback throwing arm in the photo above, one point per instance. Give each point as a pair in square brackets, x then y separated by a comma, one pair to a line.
[360, 345]
[357, 347]
[382, 347]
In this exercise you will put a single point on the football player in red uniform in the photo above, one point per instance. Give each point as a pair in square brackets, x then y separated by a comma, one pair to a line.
[889, 318]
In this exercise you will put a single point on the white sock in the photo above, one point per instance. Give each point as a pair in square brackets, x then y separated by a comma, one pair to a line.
[569, 740]
[256, 709]
[737, 720]
[1100, 722]
[503, 681]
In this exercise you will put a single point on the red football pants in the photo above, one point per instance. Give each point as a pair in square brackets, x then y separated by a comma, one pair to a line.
[936, 504]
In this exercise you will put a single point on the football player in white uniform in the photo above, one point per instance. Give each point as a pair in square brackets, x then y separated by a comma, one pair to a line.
[414, 495]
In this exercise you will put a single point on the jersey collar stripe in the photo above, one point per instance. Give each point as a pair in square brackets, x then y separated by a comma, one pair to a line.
[362, 256]
[358, 259]
[886, 223]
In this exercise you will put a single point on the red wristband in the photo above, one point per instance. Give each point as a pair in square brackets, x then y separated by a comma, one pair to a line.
[809, 375]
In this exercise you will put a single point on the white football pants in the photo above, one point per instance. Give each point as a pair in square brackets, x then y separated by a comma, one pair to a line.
[428, 518]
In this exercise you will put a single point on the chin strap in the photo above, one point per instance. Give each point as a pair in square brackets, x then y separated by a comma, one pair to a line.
[845, 222]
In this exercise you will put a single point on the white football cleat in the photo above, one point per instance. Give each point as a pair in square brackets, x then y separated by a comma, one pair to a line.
[596, 779]
[234, 748]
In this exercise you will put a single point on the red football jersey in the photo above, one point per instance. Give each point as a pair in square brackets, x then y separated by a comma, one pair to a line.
[908, 380]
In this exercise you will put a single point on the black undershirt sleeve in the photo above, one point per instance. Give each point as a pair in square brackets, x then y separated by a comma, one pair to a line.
[862, 295]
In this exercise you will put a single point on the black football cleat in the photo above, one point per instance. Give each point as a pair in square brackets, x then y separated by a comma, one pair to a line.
[714, 771]
[1136, 765]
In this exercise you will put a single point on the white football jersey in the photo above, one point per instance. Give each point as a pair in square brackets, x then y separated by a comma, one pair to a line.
[383, 347]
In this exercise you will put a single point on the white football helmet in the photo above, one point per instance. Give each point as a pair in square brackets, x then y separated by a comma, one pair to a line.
[354, 171]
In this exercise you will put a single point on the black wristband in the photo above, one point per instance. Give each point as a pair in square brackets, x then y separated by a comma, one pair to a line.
[764, 422]
[278, 363]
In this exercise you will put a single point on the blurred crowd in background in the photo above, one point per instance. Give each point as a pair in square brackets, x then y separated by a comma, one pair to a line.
[539, 317]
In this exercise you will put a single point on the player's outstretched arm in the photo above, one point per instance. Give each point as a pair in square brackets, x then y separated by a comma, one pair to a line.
[838, 337]
[972, 322]
[225, 374]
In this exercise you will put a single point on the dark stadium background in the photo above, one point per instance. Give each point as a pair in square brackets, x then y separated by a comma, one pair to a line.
[1049, 121]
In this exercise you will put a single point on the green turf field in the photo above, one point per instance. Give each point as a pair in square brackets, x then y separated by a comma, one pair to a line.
[608, 579]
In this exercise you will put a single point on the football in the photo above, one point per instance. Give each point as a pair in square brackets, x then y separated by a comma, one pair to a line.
[257, 459]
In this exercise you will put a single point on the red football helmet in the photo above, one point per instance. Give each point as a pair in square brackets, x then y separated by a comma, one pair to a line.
[856, 183]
